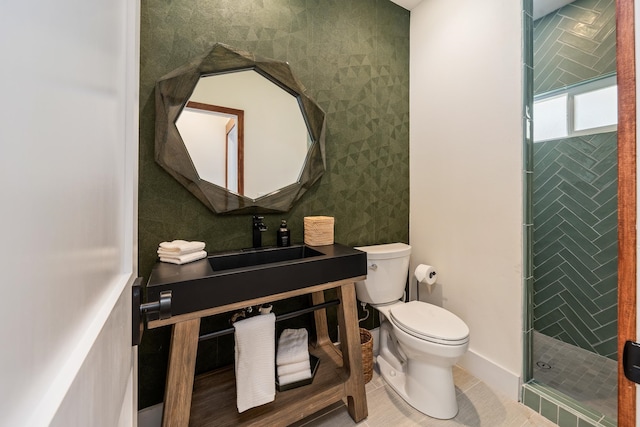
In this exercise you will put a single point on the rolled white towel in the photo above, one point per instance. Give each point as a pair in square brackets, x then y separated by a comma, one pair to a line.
[183, 259]
[293, 347]
[292, 378]
[293, 368]
[181, 247]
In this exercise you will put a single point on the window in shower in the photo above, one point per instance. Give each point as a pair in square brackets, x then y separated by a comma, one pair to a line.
[586, 108]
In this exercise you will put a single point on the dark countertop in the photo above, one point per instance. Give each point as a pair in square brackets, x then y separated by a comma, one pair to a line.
[197, 286]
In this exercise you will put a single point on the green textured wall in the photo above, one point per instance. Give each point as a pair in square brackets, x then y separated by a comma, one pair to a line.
[575, 189]
[574, 44]
[575, 241]
[353, 58]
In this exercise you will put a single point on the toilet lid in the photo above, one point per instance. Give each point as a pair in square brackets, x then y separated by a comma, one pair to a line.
[430, 322]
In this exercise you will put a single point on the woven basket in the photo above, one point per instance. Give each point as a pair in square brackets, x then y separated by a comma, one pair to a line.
[318, 230]
[366, 343]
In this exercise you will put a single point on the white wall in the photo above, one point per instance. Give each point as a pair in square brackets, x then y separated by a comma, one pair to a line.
[466, 173]
[68, 186]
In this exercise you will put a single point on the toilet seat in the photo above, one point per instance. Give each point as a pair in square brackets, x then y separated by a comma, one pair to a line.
[429, 322]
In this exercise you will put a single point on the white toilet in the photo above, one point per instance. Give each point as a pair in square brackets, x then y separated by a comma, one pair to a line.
[419, 342]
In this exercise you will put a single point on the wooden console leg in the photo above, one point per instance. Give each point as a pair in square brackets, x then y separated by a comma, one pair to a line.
[320, 317]
[352, 352]
[180, 373]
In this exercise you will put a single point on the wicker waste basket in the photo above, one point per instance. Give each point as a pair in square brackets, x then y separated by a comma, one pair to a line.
[366, 343]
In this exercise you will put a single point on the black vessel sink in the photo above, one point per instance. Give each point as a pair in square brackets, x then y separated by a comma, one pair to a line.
[253, 257]
[229, 277]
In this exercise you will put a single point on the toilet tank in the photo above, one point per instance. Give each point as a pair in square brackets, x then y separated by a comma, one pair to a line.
[387, 270]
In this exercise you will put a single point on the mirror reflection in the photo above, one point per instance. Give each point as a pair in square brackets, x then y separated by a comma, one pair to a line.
[214, 139]
[244, 133]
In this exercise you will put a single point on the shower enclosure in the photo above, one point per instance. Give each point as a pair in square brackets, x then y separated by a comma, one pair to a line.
[574, 198]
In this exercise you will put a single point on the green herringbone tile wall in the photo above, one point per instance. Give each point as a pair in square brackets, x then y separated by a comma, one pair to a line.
[576, 242]
[575, 188]
[574, 44]
[353, 58]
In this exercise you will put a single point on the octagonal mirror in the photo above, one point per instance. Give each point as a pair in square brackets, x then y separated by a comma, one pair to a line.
[239, 132]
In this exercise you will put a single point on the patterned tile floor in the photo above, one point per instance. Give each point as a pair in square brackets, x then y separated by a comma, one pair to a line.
[479, 406]
[589, 378]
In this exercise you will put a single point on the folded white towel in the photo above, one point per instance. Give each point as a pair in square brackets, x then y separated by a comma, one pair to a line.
[255, 354]
[183, 259]
[293, 346]
[294, 368]
[181, 247]
[164, 252]
[292, 378]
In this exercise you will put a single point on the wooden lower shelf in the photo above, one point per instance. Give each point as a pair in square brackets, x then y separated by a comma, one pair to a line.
[214, 396]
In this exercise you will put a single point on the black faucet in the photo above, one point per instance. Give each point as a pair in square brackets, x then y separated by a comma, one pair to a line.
[258, 228]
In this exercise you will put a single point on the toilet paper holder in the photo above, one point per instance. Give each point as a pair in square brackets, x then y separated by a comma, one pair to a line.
[424, 274]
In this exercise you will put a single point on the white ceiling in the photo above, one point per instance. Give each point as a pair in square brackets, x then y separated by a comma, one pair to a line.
[407, 4]
[540, 7]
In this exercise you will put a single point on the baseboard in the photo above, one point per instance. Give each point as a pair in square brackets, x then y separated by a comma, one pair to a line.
[151, 416]
[495, 376]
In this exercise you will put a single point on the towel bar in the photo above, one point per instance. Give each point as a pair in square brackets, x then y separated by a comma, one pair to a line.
[279, 317]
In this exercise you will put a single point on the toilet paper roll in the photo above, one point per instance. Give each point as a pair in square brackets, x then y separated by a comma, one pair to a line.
[425, 274]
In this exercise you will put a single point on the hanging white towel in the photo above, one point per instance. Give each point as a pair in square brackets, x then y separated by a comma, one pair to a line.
[181, 247]
[183, 259]
[255, 357]
[293, 346]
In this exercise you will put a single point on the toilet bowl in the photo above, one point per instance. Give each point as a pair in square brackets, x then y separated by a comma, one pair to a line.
[419, 342]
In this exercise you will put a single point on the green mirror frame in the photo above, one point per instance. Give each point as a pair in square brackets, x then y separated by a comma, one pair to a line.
[172, 94]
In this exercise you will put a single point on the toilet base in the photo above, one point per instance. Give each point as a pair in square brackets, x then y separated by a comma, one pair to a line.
[438, 402]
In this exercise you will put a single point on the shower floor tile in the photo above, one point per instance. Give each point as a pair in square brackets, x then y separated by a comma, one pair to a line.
[587, 377]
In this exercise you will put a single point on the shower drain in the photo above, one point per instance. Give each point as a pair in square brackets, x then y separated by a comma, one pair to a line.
[543, 365]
